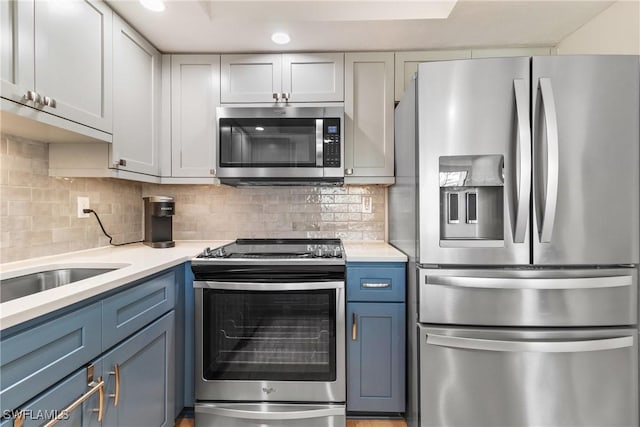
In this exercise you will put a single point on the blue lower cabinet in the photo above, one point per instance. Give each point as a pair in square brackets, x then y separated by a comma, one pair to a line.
[375, 357]
[144, 383]
[55, 402]
[39, 357]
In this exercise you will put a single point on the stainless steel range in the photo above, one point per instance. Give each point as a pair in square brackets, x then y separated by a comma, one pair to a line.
[270, 343]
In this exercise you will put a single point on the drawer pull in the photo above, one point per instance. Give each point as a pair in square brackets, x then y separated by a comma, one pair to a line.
[97, 388]
[18, 420]
[376, 285]
[354, 327]
[116, 395]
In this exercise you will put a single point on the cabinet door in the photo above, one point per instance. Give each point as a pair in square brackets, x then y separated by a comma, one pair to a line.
[250, 78]
[128, 311]
[313, 77]
[369, 118]
[51, 403]
[137, 87]
[36, 358]
[513, 51]
[375, 357]
[407, 65]
[145, 380]
[195, 94]
[16, 48]
[73, 60]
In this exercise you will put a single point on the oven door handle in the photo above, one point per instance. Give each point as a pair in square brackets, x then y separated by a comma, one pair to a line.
[257, 286]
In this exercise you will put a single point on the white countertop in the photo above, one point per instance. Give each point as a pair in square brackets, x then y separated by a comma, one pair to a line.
[133, 262]
[372, 251]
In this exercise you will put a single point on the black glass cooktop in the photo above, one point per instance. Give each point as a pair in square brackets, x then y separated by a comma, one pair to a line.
[276, 249]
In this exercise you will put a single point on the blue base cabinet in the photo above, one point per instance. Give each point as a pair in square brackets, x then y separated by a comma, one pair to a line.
[126, 337]
[376, 336]
[145, 375]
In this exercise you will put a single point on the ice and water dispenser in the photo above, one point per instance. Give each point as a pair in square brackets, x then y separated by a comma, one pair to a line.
[471, 200]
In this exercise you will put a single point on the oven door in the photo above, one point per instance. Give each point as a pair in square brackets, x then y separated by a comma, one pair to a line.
[270, 341]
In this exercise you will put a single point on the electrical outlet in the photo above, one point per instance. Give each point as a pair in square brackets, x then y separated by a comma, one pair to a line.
[83, 203]
[366, 204]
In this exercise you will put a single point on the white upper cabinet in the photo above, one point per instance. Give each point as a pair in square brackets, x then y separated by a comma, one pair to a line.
[369, 108]
[137, 91]
[57, 58]
[510, 51]
[407, 65]
[195, 94]
[314, 77]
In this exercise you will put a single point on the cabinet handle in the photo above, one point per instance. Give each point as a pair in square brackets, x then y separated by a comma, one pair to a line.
[97, 387]
[212, 172]
[32, 95]
[348, 171]
[18, 420]
[286, 96]
[277, 96]
[354, 327]
[376, 285]
[116, 395]
[49, 102]
[121, 162]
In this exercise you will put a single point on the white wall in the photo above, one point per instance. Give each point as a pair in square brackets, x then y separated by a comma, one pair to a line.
[615, 31]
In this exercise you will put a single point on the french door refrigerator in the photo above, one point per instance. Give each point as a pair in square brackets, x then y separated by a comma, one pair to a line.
[517, 201]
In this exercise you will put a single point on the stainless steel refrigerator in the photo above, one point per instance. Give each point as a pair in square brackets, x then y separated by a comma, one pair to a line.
[517, 201]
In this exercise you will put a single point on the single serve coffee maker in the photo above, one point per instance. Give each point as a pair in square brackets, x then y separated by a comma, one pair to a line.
[158, 228]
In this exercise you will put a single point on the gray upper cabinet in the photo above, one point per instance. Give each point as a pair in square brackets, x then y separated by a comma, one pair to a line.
[313, 77]
[137, 91]
[317, 77]
[407, 62]
[195, 94]
[59, 63]
[368, 118]
[407, 65]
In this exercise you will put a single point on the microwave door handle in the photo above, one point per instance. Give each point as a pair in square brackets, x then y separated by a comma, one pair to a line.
[523, 184]
[551, 122]
[319, 143]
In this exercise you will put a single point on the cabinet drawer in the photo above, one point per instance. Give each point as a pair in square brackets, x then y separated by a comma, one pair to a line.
[51, 403]
[384, 282]
[130, 310]
[37, 358]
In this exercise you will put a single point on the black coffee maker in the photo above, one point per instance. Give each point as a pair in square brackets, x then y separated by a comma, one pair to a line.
[158, 228]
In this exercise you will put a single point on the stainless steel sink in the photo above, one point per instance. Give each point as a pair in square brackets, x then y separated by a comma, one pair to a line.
[28, 284]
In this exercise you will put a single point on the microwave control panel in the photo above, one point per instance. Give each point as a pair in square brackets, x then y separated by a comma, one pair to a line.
[332, 144]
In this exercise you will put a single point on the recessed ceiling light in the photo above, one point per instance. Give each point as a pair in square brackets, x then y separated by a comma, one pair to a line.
[154, 5]
[280, 38]
[259, 128]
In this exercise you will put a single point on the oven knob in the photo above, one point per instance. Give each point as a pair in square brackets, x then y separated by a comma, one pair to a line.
[207, 252]
[319, 253]
[220, 253]
[336, 252]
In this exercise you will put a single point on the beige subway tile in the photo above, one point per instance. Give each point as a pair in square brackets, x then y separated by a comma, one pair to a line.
[16, 193]
[15, 223]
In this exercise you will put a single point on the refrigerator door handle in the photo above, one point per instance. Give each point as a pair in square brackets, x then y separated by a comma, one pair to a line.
[520, 88]
[551, 125]
[530, 283]
[530, 346]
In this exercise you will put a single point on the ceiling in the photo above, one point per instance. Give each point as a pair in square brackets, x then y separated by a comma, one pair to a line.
[356, 25]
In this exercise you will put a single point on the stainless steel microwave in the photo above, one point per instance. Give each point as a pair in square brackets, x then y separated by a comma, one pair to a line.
[280, 145]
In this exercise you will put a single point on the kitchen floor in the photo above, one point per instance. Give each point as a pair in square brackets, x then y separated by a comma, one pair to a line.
[188, 422]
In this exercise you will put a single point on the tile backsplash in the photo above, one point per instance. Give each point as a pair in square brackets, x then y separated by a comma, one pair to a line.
[222, 212]
[38, 214]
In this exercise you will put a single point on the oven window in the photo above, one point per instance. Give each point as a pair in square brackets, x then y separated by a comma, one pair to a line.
[284, 142]
[279, 335]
